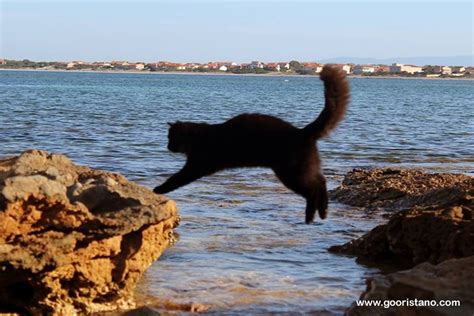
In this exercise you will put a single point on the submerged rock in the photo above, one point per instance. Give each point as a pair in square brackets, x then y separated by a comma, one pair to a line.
[434, 221]
[73, 239]
[419, 287]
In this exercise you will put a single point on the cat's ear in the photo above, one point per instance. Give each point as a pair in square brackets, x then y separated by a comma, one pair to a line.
[170, 124]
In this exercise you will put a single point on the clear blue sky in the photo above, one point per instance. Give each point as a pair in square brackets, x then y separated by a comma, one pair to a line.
[234, 31]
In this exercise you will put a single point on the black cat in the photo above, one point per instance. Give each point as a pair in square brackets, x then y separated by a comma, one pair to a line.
[257, 140]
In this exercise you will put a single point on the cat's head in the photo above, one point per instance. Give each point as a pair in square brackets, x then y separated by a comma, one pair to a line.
[177, 137]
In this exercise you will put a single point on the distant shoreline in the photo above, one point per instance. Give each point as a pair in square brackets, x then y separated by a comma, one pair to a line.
[272, 74]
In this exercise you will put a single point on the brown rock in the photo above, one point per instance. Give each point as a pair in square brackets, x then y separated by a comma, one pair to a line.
[450, 280]
[73, 239]
[434, 222]
[394, 189]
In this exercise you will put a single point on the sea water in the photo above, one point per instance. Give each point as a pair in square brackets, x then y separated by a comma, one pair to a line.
[243, 246]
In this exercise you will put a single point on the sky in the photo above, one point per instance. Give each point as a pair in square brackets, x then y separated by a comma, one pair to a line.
[240, 31]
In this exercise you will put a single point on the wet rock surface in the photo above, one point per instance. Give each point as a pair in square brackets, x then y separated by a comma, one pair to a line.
[73, 239]
[432, 216]
[449, 281]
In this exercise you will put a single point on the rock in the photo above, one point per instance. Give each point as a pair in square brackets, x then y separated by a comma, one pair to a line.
[415, 236]
[73, 239]
[434, 221]
[168, 306]
[450, 280]
[394, 189]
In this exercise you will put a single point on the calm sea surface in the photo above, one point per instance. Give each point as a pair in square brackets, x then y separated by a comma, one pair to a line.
[243, 247]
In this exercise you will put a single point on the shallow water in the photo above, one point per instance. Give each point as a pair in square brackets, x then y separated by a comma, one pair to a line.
[243, 247]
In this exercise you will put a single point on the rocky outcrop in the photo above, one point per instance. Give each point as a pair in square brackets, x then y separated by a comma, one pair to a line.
[417, 235]
[450, 282]
[394, 189]
[430, 226]
[434, 221]
[73, 239]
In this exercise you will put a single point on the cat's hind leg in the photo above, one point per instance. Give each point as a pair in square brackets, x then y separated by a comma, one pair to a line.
[309, 183]
[317, 200]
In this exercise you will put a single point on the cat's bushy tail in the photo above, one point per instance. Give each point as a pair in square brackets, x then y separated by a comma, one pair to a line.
[336, 93]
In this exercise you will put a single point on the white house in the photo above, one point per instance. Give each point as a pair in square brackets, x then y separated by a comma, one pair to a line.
[346, 68]
[140, 66]
[445, 70]
[411, 69]
[256, 64]
[318, 69]
[223, 68]
[363, 69]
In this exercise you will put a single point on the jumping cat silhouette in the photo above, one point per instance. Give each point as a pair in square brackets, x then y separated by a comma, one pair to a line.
[257, 140]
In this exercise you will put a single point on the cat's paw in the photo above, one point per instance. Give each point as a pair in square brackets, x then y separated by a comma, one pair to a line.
[158, 190]
[323, 213]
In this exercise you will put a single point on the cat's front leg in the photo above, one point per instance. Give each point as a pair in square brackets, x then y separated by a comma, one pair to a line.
[188, 174]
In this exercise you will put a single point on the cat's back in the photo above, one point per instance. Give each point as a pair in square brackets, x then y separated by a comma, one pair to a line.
[257, 121]
[250, 140]
[257, 132]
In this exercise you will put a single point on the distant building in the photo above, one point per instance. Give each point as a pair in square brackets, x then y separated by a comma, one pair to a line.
[223, 68]
[399, 68]
[363, 69]
[213, 65]
[140, 66]
[458, 69]
[469, 70]
[272, 66]
[280, 66]
[3, 62]
[70, 65]
[382, 69]
[346, 68]
[318, 69]
[192, 65]
[167, 65]
[432, 70]
[256, 64]
[119, 63]
[445, 70]
[310, 65]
